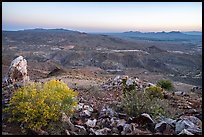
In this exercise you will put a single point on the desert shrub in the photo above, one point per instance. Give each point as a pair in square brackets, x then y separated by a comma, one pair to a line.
[126, 88]
[165, 84]
[135, 102]
[35, 105]
[154, 91]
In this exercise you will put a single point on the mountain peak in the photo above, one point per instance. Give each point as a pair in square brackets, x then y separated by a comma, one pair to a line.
[175, 32]
[50, 30]
[132, 32]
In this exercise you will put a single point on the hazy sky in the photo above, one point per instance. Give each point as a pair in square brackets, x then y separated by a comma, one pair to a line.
[103, 16]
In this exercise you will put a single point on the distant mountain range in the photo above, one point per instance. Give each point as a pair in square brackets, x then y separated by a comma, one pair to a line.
[50, 30]
[128, 32]
[175, 36]
[194, 37]
[171, 32]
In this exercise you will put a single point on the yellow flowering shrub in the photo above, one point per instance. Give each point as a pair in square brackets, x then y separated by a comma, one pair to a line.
[38, 104]
[154, 91]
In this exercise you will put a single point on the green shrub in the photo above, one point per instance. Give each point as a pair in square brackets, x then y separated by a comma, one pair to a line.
[165, 84]
[35, 105]
[127, 88]
[154, 91]
[135, 102]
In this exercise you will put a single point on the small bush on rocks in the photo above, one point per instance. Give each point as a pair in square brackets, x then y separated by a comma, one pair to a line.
[165, 84]
[136, 102]
[154, 91]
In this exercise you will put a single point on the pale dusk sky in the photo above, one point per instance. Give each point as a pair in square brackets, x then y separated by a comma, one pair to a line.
[103, 16]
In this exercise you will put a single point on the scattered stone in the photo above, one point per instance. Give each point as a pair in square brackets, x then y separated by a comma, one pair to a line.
[6, 133]
[103, 131]
[40, 132]
[127, 128]
[117, 80]
[106, 112]
[143, 119]
[113, 122]
[195, 131]
[86, 113]
[185, 132]
[67, 120]
[67, 132]
[115, 130]
[179, 93]
[91, 123]
[150, 84]
[197, 89]
[130, 82]
[87, 107]
[169, 121]
[122, 115]
[84, 110]
[182, 124]
[193, 119]
[80, 106]
[82, 130]
[191, 124]
[120, 124]
[148, 117]
[164, 128]
[137, 131]
[105, 122]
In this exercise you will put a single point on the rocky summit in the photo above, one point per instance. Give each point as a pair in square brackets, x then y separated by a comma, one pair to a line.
[99, 110]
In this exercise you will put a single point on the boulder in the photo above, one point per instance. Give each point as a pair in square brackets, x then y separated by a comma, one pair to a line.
[190, 123]
[18, 70]
[193, 119]
[166, 126]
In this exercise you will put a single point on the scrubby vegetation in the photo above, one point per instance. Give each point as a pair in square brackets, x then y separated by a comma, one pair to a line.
[154, 91]
[136, 102]
[35, 105]
[165, 84]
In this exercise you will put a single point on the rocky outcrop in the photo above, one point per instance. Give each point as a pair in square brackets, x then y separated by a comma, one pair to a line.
[17, 71]
[116, 83]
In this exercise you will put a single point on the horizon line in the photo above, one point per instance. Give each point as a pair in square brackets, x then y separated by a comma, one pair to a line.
[98, 31]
